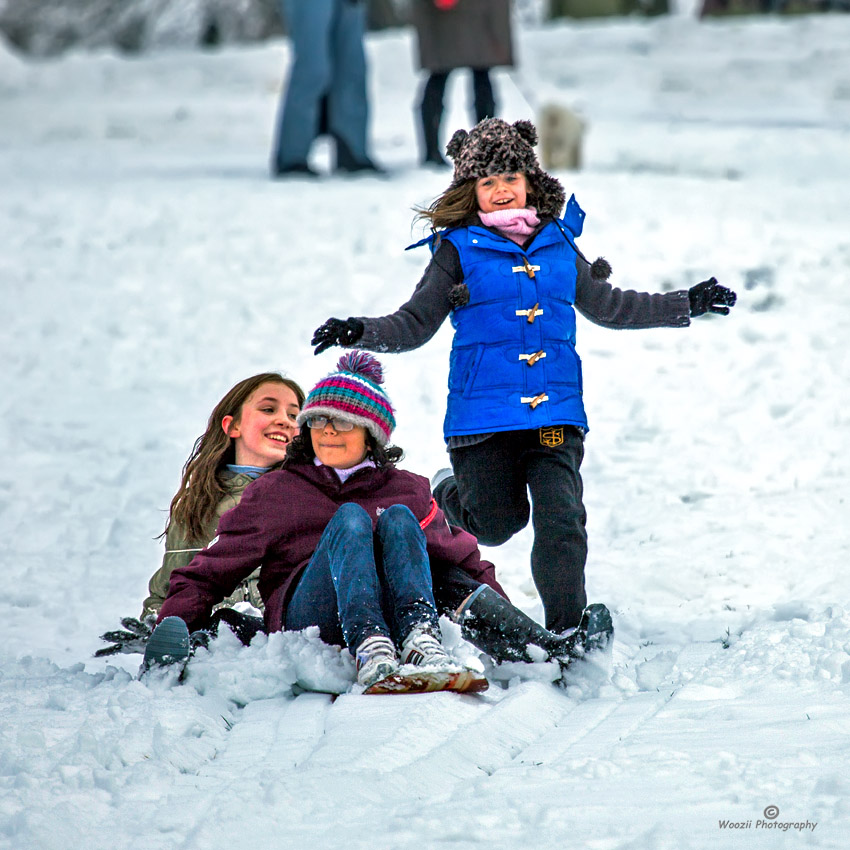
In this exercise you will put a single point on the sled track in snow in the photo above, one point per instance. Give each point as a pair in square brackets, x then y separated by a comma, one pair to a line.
[396, 750]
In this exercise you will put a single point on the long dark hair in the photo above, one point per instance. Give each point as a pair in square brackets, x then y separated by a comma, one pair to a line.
[300, 450]
[200, 491]
[458, 205]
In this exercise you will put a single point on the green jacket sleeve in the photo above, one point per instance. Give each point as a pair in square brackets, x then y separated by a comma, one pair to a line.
[180, 550]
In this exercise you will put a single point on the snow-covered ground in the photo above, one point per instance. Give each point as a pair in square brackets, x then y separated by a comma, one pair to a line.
[147, 263]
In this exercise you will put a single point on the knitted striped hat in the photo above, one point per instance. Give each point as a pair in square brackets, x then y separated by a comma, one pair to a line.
[353, 393]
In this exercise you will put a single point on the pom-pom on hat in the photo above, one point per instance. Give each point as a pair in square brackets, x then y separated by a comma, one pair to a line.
[493, 146]
[353, 393]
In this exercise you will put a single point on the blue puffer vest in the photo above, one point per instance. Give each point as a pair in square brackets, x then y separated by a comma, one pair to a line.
[513, 362]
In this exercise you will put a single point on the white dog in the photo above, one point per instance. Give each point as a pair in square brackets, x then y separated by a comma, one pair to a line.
[561, 133]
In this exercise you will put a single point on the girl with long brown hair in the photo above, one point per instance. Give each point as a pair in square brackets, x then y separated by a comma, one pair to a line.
[248, 433]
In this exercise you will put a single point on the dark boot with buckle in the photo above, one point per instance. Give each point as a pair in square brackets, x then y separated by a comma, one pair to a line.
[492, 624]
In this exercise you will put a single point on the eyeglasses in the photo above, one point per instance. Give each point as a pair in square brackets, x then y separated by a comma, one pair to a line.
[319, 422]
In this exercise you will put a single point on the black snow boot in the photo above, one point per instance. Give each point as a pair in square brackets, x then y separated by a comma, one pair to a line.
[595, 630]
[490, 623]
[168, 644]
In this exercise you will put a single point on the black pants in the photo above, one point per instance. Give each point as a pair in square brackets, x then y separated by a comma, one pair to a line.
[484, 102]
[489, 497]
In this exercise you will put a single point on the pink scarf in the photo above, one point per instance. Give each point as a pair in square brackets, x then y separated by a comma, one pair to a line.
[515, 224]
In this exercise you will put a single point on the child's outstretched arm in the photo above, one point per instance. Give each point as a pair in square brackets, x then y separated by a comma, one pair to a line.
[412, 325]
[710, 297]
[611, 307]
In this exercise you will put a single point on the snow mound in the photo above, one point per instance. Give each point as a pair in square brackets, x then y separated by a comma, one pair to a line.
[276, 665]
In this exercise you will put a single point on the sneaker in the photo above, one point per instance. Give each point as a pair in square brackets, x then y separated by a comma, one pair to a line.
[422, 649]
[376, 659]
[440, 476]
[168, 644]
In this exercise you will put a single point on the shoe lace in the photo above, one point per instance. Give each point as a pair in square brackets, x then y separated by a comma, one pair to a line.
[375, 648]
[421, 645]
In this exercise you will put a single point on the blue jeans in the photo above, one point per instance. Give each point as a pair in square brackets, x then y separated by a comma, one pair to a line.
[361, 583]
[328, 61]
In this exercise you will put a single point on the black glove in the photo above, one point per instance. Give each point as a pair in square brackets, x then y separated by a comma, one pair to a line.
[710, 297]
[130, 641]
[336, 332]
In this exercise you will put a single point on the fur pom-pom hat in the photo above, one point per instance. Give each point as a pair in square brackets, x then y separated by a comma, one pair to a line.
[354, 393]
[493, 146]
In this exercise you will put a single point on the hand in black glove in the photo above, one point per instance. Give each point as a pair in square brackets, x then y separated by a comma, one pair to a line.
[710, 297]
[336, 332]
[130, 641]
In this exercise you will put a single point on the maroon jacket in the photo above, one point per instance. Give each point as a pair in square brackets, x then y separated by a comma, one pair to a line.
[278, 524]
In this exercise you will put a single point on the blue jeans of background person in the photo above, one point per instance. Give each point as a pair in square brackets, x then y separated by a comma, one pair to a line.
[328, 61]
[361, 583]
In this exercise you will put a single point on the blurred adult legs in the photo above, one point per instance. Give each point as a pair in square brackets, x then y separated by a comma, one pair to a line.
[482, 91]
[431, 109]
[328, 63]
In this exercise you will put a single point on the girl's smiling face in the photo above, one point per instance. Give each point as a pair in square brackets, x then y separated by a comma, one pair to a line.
[265, 427]
[501, 192]
[339, 449]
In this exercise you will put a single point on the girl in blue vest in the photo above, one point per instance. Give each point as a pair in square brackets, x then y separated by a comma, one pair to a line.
[506, 269]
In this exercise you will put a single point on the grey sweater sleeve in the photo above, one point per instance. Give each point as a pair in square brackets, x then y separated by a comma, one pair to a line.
[416, 321]
[615, 308]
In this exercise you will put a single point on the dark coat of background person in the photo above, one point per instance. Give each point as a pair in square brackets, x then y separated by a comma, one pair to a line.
[472, 34]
